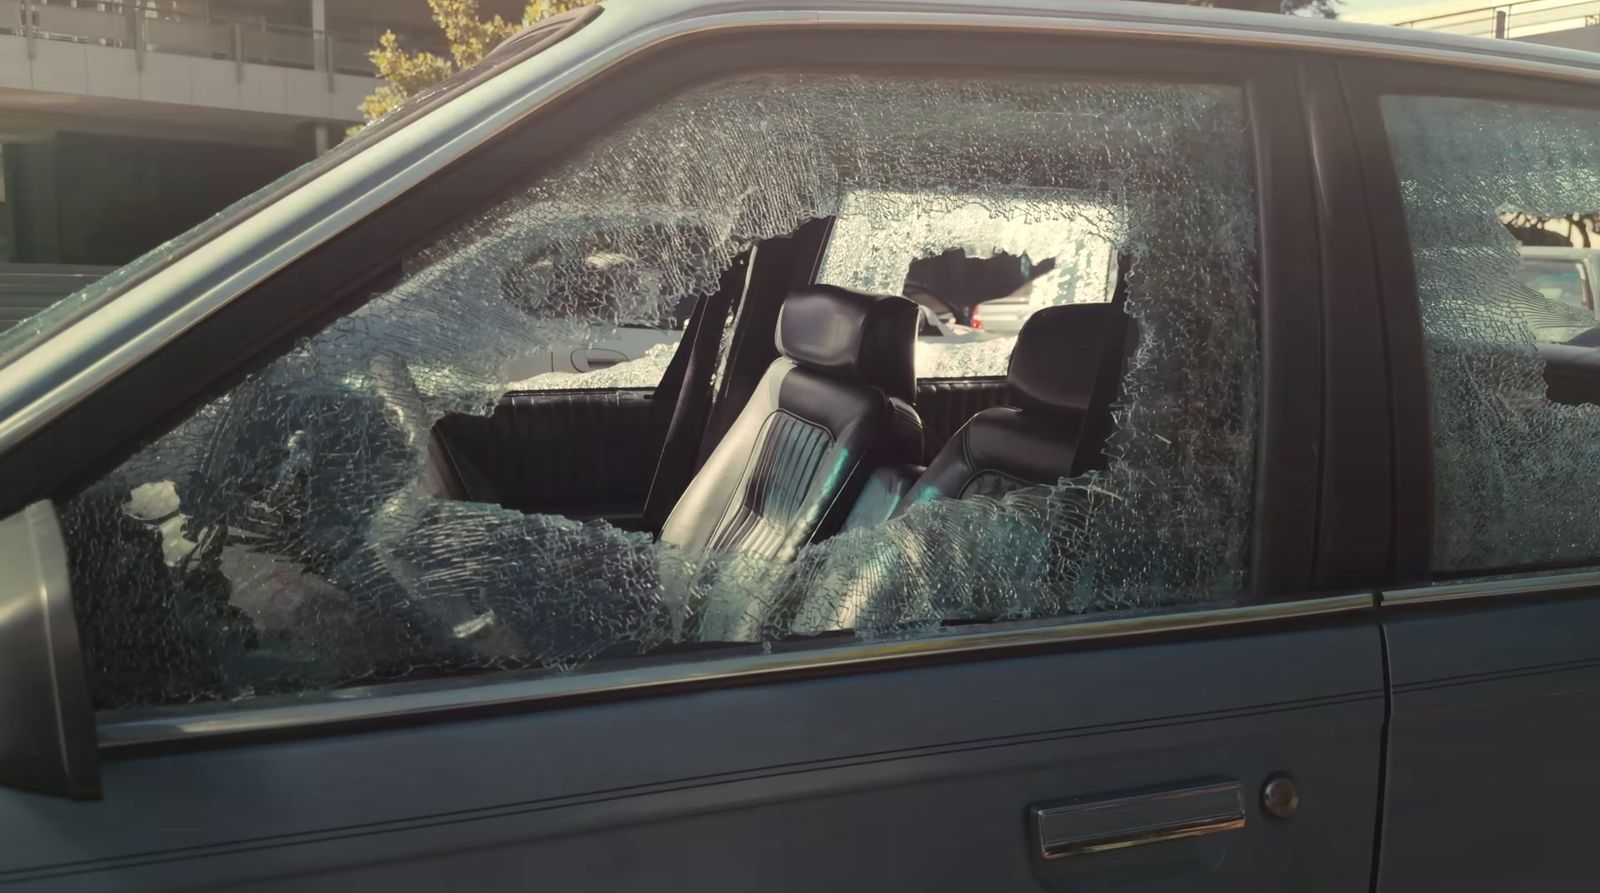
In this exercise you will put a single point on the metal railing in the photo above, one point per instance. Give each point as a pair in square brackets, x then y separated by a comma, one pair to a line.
[147, 28]
[26, 289]
[1512, 20]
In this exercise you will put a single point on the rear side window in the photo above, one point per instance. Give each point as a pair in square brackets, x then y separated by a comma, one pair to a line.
[978, 264]
[281, 540]
[1502, 201]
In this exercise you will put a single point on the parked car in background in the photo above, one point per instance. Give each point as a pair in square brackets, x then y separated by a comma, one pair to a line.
[1563, 278]
[1566, 275]
[1254, 551]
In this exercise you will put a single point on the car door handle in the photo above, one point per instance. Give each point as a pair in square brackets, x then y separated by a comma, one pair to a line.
[1095, 824]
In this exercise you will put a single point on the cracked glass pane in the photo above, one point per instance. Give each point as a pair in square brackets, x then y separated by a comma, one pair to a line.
[283, 539]
[1501, 200]
[1059, 245]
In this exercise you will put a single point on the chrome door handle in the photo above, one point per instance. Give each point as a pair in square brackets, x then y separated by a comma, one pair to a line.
[1095, 824]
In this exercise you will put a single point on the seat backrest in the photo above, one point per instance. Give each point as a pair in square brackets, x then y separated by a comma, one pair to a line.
[1064, 373]
[833, 407]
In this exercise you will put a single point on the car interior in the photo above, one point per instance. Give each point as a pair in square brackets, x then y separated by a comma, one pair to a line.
[811, 419]
[817, 421]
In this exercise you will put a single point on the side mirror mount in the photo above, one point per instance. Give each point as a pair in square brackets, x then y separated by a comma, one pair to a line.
[47, 734]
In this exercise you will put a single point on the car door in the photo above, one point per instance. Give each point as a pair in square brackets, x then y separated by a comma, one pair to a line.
[1491, 622]
[309, 674]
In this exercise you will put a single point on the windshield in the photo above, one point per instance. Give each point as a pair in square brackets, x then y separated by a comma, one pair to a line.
[979, 265]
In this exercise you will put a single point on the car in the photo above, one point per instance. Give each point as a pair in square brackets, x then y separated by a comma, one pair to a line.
[1260, 555]
[1563, 276]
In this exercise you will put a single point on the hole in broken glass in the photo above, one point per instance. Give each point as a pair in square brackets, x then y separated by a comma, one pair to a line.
[979, 264]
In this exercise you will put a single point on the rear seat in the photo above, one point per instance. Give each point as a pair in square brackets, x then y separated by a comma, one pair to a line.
[1064, 373]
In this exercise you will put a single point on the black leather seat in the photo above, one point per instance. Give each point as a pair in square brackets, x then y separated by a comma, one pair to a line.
[832, 408]
[1571, 371]
[1064, 373]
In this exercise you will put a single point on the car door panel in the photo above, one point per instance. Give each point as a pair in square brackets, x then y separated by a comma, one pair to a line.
[1492, 745]
[584, 453]
[788, 785]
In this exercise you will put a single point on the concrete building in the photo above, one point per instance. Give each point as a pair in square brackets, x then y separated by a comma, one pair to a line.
[1562, 23]
[124, 123]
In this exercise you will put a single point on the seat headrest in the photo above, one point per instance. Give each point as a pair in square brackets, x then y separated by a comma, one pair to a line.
[1059, 354]
[867, 339]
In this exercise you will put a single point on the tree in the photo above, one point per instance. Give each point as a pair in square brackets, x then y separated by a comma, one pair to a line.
[470, 37]
[1562, 231]
[1323, 8]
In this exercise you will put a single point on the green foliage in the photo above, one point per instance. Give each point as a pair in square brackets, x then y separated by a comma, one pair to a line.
[470, 37]
[1323, 8]
[1561, 231]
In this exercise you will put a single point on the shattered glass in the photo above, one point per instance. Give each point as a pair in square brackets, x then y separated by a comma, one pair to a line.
[644, 370]
[879, 233]
[281, 539]
[1515, 475]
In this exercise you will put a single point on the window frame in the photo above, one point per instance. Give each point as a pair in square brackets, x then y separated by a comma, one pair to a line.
[332, 279]
[1365, 84]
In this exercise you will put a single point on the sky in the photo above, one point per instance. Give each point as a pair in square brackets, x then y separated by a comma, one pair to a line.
[1361, 6]
[1356, 9]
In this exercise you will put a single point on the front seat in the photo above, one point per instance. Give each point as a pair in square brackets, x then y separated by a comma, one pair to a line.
[833, 407]
[1064, 373]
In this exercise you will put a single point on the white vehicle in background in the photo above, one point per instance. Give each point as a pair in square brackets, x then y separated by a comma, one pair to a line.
[1566, 276]
[1562, 274]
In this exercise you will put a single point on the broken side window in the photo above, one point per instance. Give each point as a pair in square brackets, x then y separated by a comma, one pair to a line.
[284, 539]
[1501, 202]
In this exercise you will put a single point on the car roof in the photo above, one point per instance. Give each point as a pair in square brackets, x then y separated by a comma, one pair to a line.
[1127, 16]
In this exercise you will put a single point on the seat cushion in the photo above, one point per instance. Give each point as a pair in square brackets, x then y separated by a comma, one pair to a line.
[1000, 450]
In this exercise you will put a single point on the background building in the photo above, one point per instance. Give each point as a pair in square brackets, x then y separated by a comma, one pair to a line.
[1562, 23]
[124, 123]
